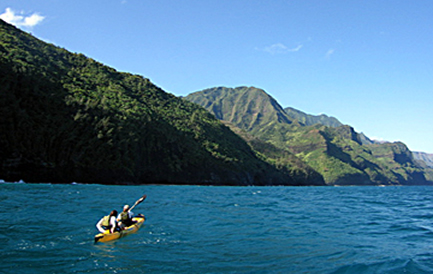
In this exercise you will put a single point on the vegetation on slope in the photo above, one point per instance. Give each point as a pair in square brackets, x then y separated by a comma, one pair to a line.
[65, 117]
[246, 107]
[339, 154]
[282, 159]
[309, 120]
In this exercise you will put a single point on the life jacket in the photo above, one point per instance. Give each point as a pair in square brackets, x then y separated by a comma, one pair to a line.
[106, 220]
[124, 216]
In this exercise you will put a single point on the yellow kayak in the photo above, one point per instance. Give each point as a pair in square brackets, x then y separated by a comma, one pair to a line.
[107, 236]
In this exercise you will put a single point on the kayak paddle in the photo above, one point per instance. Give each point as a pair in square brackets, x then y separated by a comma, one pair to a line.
[138, 202]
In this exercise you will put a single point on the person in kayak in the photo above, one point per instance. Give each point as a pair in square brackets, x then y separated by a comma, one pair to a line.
[125, 217]
[108, 223]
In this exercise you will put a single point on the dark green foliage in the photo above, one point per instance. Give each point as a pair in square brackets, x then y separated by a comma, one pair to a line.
[65, 117]
[282, 159]
[337, 152]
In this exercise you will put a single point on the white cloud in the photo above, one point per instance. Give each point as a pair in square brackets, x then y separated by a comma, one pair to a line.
[20, 20]
[280, 48]
[329, 53]
[380, 140]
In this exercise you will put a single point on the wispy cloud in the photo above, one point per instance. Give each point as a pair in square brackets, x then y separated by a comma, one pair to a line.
[280, 48]
[329, 53]
[379, 139]
[21, 20]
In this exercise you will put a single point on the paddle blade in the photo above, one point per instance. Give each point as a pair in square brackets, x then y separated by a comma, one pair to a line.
[141, 199]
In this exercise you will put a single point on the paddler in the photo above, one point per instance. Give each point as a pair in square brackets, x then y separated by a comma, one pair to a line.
[125, 217]
[108, 222]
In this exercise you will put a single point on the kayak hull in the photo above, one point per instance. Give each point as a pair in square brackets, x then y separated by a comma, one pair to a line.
[107, 236]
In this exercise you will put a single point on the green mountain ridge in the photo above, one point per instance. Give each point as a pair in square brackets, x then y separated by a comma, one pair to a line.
[67, 118]
[309, 120]
[250, 107]
[338, 153]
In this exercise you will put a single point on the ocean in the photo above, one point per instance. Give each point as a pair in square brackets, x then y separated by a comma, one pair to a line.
[48, 228]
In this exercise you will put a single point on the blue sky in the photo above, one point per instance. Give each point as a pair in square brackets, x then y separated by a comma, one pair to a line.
[368, 63]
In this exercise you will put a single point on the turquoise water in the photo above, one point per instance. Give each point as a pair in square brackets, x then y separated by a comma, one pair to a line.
[191, 229]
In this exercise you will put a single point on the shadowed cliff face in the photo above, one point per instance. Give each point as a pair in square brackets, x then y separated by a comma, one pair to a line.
[336, 151]
[426, 158]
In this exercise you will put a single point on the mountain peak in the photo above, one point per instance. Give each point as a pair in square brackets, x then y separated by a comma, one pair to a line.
[247, 107]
